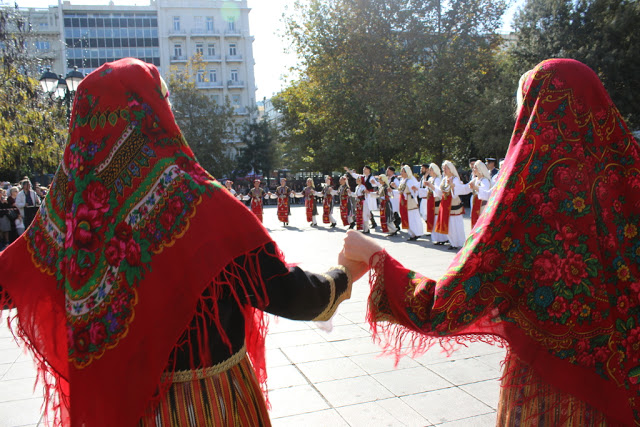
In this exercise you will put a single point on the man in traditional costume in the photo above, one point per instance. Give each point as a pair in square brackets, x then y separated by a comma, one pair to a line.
[140, 309]
[422, 190]
[490, 163]
[551, 270]
[409, 208]
[257, 194]
[394, 183]
[370, 203]
[284, 194]
[386, 213]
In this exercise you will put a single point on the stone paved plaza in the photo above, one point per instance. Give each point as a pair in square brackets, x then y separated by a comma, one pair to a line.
[336, 378]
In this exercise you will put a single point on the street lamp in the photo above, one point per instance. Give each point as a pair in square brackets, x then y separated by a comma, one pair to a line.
[62, 89]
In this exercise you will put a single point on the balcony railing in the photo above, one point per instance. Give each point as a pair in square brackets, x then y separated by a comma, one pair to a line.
[235, 83]
[205, 32]
[240, 111]
[212, 58]
[209, 85]
[178, 58]
[234, 58]
[234, 32]
[174, 32]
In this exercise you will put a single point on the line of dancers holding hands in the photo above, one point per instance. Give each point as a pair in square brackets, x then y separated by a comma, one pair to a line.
[433, 202]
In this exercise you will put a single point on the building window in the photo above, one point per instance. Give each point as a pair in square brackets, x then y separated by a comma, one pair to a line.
[43, 46]
[177, 50]
[211, 49]
[198, 23]
[200, 48]
[216, 99]
[234, 75]
[235, 100]
[231, 23]
[200, 76]
[232, 49]
[209, 23]
[176, 23]
[213, 76]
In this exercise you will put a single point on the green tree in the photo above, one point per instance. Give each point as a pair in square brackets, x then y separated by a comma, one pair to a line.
[601, 33]
[387, 80]
[259, 151]
[32, 127]
[205, 125]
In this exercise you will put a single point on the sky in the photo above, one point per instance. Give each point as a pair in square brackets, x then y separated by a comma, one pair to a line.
[265, 22]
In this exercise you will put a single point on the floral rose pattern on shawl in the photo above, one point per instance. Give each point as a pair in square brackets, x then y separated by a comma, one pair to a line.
[552, 266]
[100, 280]
[121, 252]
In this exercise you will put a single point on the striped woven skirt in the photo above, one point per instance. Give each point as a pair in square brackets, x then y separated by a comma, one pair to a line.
[211, 397]
[526, 400]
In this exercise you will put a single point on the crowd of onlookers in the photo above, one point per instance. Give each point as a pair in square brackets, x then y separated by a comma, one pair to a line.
[18, 206]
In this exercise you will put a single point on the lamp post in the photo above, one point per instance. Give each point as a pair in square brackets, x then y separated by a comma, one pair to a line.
[62, 89]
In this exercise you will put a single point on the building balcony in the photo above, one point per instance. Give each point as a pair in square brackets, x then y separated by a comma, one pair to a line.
[177, 33]
[233, 33]
[179, 58]
[205, 32]
[234, 58]
[235, 84]
[209, 85]
[212, 58]
[240, 111]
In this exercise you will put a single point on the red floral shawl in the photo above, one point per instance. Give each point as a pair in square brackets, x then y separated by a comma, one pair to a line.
[111, 272]
[553, 265]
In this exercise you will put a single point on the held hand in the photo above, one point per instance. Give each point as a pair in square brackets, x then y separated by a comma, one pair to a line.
[358, 247]
[356, 269]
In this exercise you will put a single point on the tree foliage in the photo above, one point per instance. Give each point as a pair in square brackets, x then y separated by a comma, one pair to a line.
[387, 80]
[601, 33]
[204, 124]
[33, 128]
[260, 152]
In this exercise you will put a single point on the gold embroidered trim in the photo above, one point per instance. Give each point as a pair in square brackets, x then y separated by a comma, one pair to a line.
[198, 374]
[334, 302]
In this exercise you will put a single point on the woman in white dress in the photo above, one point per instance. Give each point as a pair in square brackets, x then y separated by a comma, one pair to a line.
[451, 207]
[481, 188]
[409, 202]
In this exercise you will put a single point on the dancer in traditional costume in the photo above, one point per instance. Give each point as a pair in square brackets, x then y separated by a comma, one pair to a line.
[346, 207]
[433, 205]
[451, 208]
[552, 269]
[422, 190]
[394, 183]
[409, 208]
[228, 184]
[284, 194]
[257, 194]
[370, 184]
[327, 202]
[386, 212]
[360, 194]
[140, 309]
[311, 209]
[481, 188]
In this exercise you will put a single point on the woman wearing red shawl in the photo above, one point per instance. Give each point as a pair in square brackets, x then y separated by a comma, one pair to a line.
[138, 307]
[551, 269]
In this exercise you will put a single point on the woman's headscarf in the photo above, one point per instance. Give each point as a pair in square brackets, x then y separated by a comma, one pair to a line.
[451, 167]
[435, 168]
[482, 169]
[113, 269]
[553, 265]
[408, 171]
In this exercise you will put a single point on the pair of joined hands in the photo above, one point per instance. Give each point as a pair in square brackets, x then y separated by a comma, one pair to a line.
[356, 253]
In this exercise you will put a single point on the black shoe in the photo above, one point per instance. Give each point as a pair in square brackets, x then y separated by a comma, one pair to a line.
[453, 248]
[332, 225]
[373, 224]
[412, 239]
[365, 232]
[395, 233]
[353, 224]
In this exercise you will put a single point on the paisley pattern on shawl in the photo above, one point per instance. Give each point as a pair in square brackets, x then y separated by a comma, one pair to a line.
[121, 252]
[553, 265]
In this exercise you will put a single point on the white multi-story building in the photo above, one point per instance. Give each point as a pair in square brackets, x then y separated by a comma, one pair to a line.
[166, 33]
